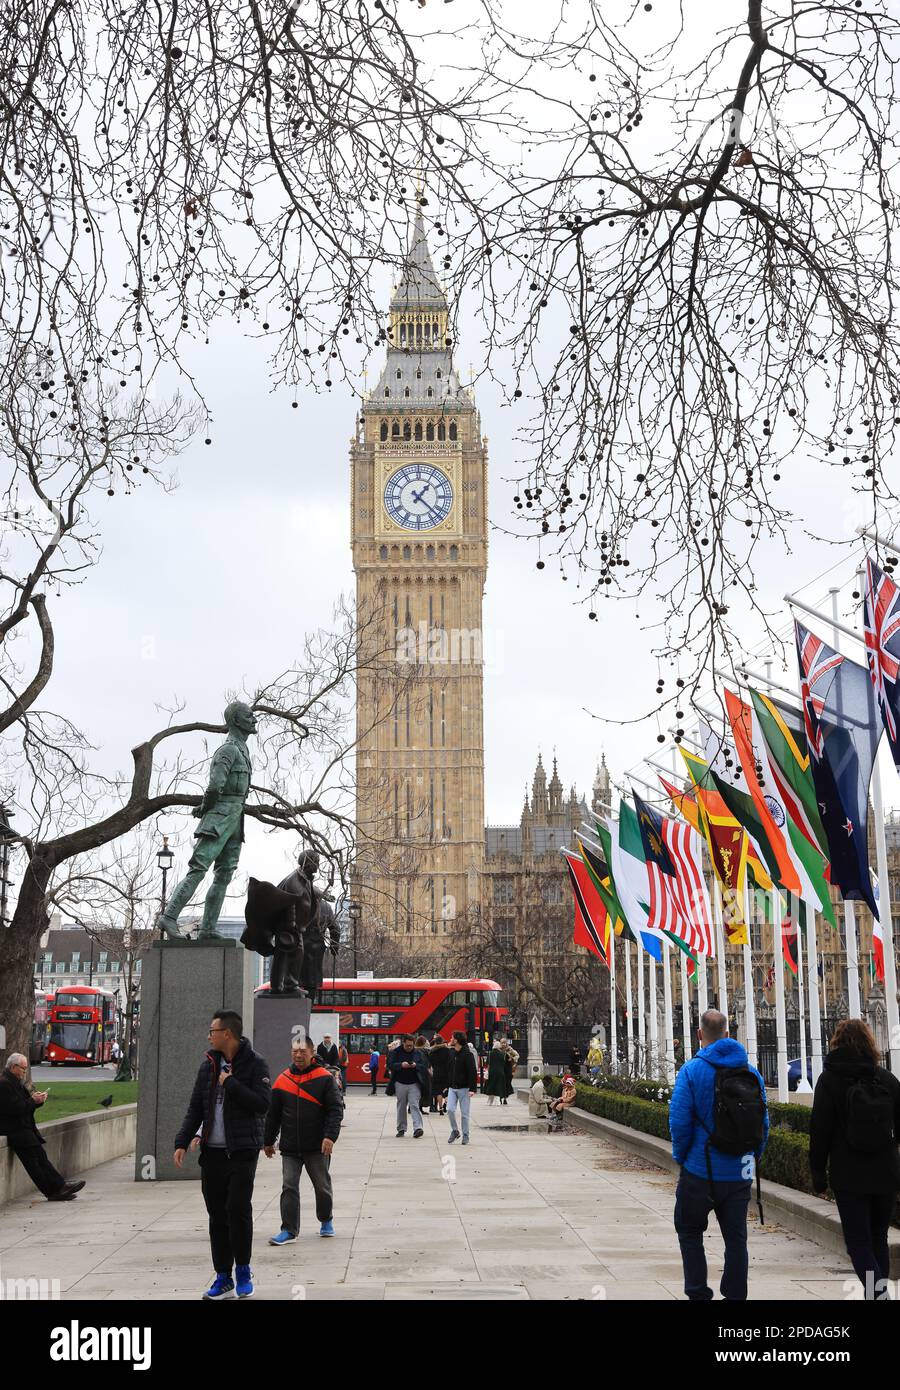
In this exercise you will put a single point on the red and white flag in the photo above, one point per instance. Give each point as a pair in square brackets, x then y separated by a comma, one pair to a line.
[679, 902]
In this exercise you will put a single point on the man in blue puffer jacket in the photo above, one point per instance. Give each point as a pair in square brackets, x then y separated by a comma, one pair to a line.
[691, 1123]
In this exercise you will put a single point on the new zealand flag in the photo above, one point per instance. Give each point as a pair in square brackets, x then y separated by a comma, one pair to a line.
[842, 731]
[882, 623]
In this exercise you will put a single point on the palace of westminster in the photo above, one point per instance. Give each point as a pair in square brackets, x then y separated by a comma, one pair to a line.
[429, 867]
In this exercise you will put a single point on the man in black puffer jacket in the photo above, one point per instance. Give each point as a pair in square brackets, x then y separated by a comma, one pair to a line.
[225, 1116]
[854, 1130]
[307, 1109]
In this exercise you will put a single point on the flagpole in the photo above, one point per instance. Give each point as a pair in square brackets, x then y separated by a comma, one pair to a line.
[686, 1009]
[668, 1027]
[803, 1085]
[780, 1021]
[749, 1003]
[613, 1001]
[850, 941]
[720, 949]
[629, 1020]
[653, 1053]
[884, 918]
[815, 1015]
[643, 1051]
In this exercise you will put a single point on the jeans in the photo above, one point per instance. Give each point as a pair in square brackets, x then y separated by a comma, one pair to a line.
[693, 1203]
[317, 1166]
[227, 1184]
[39, 1168]
[408, 1093]
[865, 1218]
[464, 1101]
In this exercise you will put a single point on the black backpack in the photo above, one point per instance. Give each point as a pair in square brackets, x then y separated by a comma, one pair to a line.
[870, 1115]
[739, 1113]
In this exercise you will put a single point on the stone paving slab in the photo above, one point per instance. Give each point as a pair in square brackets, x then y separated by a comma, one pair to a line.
[515, 1215]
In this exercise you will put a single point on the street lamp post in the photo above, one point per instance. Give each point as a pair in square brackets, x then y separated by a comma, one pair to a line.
[165, 859]
[354, 912]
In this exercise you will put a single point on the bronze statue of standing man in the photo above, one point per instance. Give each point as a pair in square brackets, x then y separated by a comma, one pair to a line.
[220, 833]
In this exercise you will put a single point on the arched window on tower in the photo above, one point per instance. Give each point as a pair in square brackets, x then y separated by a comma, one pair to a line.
[406, 391]
[429, 431]
[407, 552]
[442, 433]
[384, 429]
[431, 391]
[454, 552]
[418, 332]
[407, 430]
[402, 333]
[429, 552]
[399, 373]
[438, 373]
[382, 552]
[418, 374]
[387, 391]
[434, 331]
[428, 332]
[452, 429]
[395, 430]
[418, 429]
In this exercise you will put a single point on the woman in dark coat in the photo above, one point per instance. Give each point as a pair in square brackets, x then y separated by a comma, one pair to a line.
[496, 1077]
[439, 1061]
[854, 1130]
[427, 1089]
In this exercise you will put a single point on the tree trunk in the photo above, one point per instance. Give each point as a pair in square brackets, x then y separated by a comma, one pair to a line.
[18, 946]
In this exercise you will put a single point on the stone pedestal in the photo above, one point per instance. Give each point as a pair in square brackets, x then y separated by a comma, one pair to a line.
[277, 1020]
[183, 985]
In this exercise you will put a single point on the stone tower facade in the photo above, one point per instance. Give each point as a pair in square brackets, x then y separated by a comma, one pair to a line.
[419, 540]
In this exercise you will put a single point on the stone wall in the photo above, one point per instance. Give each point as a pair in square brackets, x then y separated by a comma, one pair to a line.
[73, 1145]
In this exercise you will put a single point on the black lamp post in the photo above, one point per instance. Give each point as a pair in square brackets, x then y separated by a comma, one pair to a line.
[165, 859]
[354, 912]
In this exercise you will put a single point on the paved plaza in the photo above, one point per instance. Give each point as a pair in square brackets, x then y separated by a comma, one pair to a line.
[516, 1215]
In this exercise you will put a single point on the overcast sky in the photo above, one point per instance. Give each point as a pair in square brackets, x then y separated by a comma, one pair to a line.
[214, 585]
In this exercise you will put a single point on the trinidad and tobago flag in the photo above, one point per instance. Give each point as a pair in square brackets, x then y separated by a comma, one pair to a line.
[881, 610]
[591, 916]
[842, 733]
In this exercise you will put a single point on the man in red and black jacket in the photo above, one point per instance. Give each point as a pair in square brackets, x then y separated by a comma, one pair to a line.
[307, 1109]
[230, 1098]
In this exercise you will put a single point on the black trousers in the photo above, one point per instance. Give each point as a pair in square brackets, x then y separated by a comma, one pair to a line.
[865, 1219]
[227, 1183]
[39, 1168]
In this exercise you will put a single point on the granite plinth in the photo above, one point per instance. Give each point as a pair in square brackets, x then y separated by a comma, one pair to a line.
[183, 986]
[277, 1020]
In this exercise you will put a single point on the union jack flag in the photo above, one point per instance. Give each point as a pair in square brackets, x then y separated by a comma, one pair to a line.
[881, 610]
[817, 661]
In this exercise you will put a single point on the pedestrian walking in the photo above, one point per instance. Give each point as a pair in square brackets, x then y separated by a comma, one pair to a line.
[719, 1124]
[510, 1062]
[327, 1052]
[343, 1064]
[462, 1087]
[374, 1063]
[406, 1069]
[18, 1103]
[853, 1133]
[306, 1112]
[495, 1086]
[422, 1046]
[439, 1057]
[228, 1106]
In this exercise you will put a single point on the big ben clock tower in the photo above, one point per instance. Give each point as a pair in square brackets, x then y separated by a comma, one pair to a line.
[419, 537]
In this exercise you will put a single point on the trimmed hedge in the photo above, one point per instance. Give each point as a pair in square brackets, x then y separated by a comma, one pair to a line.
[785, 1159]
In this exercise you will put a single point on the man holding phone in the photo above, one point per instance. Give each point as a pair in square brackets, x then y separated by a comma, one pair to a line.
[17, 1122]
[228, 1105]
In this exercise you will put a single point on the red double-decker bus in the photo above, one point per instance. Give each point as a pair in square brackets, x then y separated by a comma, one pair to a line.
[374, 1012]
[40, 1026]
[82, 1026]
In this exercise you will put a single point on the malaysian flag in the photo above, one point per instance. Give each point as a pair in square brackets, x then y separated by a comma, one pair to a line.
[679, 902]
[881, 609]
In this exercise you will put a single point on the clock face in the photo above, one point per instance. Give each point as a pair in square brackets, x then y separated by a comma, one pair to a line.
[418, 497]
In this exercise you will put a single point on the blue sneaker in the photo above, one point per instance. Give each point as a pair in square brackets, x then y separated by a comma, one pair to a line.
[222, 1287]
[244, 1281]
[283, 1238]
[326, 1228]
